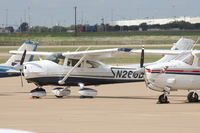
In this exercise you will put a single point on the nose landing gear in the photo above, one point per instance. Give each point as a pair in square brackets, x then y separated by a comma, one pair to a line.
[37, 93]
[163, 98]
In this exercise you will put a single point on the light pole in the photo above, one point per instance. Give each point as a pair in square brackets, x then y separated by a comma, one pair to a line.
[75, 28]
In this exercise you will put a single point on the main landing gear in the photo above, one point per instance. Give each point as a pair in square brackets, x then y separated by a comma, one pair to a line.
[60, 92]
[87, 93]
[193, 97]
[40, 92]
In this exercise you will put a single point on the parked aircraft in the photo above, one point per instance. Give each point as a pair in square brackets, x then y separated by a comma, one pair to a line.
[7, 69]
[81, 68]
[179, 73]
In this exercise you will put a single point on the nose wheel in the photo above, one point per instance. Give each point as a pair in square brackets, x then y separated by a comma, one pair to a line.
[193, 97]
[163, 99]
[37, 93]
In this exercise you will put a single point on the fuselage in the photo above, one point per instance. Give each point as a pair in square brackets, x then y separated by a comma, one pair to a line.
[47, 72]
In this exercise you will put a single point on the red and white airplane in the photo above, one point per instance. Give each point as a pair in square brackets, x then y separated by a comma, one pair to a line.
[182, 72]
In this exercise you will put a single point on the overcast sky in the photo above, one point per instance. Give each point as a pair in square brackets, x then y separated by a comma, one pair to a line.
[50, 12]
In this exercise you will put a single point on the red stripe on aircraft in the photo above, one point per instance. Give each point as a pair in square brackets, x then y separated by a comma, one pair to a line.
[188, 71]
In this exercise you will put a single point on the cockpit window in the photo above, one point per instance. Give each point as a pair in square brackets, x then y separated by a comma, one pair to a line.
[188, 58]
[92, 64]
[57, 58]
[73, 62]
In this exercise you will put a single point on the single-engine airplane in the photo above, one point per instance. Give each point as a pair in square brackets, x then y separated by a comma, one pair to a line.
[81, 68]
[182, 72]
[8, 69]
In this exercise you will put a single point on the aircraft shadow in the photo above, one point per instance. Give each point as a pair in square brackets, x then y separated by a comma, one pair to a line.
[108, 97]
[126, 97]
[5, 95]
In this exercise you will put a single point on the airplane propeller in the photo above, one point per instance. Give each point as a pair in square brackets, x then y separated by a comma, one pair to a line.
[21, 66]
[142, 58]
[23, 57]
[142, 68]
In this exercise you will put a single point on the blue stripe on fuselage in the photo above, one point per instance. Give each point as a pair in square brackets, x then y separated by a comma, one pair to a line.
[4, 73]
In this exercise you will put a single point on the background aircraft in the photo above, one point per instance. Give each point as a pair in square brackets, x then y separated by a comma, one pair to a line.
[179, 73]
[81, 68]
[7, 69]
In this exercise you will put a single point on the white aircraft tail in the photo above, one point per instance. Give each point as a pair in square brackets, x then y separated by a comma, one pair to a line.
[181, 44]
[15, 59]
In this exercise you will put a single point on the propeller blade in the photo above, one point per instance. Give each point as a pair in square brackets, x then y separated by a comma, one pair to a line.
[23, 57]
[142, 58]
[21, 67]
[21, 78]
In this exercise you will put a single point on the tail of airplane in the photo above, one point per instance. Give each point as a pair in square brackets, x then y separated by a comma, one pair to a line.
[15, 59]
[181, 44]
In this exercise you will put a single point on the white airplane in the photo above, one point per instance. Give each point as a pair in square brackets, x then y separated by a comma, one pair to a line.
[81, 68]
[8, 69]
[182, 72]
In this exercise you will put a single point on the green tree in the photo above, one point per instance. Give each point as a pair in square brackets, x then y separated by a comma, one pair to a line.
[10, 28]
[23, 27]
[144, 26]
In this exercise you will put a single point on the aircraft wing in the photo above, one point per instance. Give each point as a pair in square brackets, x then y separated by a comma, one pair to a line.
[102, 53]
[91, 54]
[158, 52]
[31, 53]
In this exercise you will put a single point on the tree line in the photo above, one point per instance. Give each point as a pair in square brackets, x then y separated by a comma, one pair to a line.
[176, 25]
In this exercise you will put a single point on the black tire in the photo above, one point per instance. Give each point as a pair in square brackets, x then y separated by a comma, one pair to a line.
[34, 97]
[163, 99]
[59, 96]
[192, 98]
[86, 97]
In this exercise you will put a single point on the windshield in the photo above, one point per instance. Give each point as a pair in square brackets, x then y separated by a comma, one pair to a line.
[57, 58]
[188, 58]
[92, 64]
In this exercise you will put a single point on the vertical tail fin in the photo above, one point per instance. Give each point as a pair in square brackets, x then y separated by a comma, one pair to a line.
[181, 44]
[15, 59]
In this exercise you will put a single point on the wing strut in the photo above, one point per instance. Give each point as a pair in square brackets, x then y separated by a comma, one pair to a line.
[61, 82]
